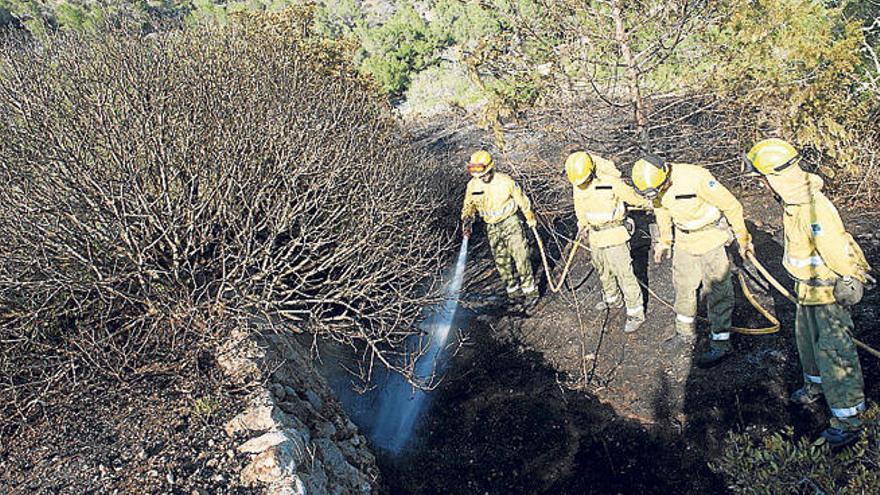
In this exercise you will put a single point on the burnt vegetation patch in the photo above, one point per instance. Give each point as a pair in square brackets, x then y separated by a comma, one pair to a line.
[160, 190]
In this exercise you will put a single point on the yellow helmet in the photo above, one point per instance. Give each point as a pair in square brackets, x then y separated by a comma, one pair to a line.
[480, 163]
[649, 174]
[769, 157]
[579, 167]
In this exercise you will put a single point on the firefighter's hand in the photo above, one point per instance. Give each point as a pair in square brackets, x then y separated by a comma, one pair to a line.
[661, 249]
[745, 247]
[531, 221]
[848, 291]
[467, 227]
[583, 235]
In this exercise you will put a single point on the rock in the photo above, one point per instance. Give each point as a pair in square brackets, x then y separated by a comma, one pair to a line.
[275, 465]
[326, 430]
[294, 432]
[238, 357]
[357, 456]
[316, 480]
[263, 443]
[264, 468]
[337, 467]
[349, 428]
[257, 419]
[295, 407]
[289, 392]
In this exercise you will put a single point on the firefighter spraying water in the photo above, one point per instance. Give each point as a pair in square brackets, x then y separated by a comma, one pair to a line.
[402, 404]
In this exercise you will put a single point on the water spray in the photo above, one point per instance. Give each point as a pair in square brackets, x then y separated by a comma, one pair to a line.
[401, 405]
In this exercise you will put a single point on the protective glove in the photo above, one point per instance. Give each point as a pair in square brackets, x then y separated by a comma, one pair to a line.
[745, 247]
[660, 249]
[530, 219]
[630, 225]
[467, 227]
[848, 291]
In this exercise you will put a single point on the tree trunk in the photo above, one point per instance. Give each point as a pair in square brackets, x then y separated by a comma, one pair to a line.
[632, 74]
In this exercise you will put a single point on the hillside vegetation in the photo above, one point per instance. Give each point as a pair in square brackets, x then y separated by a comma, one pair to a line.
[162, 190]
[174, 169]
[808, 71]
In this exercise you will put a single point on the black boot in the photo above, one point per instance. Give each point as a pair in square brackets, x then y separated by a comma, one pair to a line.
[531, 301]
[805, 395]
[837, 438]
[712, 357]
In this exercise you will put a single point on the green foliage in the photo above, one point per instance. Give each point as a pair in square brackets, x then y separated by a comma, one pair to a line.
[799, 63]
[439, 87]
[204, 408]
[31, 14]
[338, 19]
[463, 23]
[779, 464]
[74, 16]
[398, 48]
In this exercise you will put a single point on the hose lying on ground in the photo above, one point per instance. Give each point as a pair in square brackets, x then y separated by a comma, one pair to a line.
[774, 322]
[575, 244]
[782, 290]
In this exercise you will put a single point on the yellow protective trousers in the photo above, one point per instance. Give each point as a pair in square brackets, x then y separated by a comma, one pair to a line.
[614, 265]
[711, 271]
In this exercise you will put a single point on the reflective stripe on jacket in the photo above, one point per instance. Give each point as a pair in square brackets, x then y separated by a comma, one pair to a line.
[601, 203]
[818, 249]
[694, 202]
[496, 200]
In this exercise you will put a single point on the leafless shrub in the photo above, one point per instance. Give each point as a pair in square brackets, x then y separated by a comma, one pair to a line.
[157, 190]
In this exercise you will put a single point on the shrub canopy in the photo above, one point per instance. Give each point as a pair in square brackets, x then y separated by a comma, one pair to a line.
[158, 189]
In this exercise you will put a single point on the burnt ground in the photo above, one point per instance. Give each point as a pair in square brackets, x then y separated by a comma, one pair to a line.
[162, 434]
[560, 401]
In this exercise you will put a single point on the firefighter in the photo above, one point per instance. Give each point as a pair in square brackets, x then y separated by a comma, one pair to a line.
[600, 206]
[829, 270]
[703, 212]
[497, 197]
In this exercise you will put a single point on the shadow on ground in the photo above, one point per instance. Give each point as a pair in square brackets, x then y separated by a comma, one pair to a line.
[503, 423]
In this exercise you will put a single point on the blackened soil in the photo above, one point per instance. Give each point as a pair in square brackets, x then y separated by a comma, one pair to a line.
[562, 402]
[503, 422]
[160, 435]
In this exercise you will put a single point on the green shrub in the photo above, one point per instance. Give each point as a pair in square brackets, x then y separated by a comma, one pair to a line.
[779, 464]
[437, 88]
[397, 49]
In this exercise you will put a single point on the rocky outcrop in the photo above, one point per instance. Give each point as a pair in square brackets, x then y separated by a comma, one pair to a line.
[297, 436]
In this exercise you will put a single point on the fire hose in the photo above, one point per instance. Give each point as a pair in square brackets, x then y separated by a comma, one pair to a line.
[782, 290]
[774, 323]
[750, 297]
[575, 244]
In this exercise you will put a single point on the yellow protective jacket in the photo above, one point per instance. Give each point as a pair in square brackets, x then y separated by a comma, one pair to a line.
[495, 201]
[818, 249]
[600, 207]
[694, 203]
